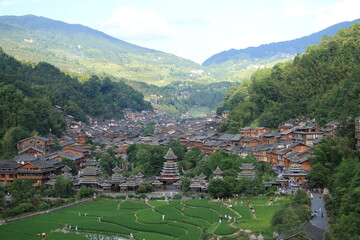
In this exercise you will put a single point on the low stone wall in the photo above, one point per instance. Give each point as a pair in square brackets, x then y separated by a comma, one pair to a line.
[47, 211]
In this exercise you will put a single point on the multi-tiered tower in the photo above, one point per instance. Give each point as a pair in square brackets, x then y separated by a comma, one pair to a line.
[247, 171]
[170, 172]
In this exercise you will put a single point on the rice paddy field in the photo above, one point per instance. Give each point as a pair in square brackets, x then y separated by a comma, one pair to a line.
[151, 220]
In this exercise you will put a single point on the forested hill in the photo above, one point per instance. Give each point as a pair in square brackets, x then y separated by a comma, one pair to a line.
[280, 49]
[28, 95]
[323, 83]
[81, 49]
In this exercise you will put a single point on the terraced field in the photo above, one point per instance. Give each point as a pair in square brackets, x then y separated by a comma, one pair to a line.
[157, 220]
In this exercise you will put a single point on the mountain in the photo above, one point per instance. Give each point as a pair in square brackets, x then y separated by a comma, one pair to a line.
[321, 84]
[285, 49]
[28, 93]
[80, 49]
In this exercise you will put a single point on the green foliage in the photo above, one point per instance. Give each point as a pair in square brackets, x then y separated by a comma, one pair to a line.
[71, 164]
[228, 163]
[144, 188]
[28, 94]
[322, 83]
[301, 198]
[150, 159]
[185, 184]
[2, 197]
[10, 139]
[219, 188]
[336, 167]
[149, 128]
[85, 192]
[191, 159]
[63, 187]
[107, 163]
[22, 190]
[81, 49]
[250, 187]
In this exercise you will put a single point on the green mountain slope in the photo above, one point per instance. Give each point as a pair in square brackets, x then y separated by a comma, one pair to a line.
[239, 64]
[323, 83]
[29, 93]
[81, 49]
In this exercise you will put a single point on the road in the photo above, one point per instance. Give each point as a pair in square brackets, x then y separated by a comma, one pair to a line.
[317, 203]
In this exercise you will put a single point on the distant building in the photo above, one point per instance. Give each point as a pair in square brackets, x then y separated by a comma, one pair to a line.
[35, 146]
[218, 173]
[247, 171]
[170, 173]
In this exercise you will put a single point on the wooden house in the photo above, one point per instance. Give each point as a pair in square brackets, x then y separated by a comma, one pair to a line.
[40, 144]
[38, 170]
[8, 171]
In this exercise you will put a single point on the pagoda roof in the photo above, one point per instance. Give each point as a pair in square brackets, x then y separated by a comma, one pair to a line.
[116, 169]
[247, 166]
[52, 176]
[202, 176]
[90, 162]
[170, 155]
[217, 171]
[139, 175]
[247, 174]
[66, 169]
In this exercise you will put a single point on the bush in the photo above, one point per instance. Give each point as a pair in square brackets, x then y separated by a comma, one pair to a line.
[105, 196]
[142, 196]
[177, 197]
[144, 188]
[42, 206]
[121, 197]
[85, 192]
[157, 198]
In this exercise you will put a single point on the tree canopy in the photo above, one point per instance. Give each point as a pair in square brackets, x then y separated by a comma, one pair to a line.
[323, 83]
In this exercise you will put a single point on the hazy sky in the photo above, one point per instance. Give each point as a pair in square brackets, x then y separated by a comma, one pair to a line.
[194, 29]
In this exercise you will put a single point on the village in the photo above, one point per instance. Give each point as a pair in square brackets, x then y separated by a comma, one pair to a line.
[286, 149]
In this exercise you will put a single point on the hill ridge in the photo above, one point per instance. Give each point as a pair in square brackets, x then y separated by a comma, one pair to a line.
[276, 48]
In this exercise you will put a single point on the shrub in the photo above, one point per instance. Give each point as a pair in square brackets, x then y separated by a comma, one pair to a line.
[142, 196]
[121, 197]
[85, 192]
[177, 197]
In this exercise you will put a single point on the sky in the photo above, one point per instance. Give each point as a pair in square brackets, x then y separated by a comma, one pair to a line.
[194, 29]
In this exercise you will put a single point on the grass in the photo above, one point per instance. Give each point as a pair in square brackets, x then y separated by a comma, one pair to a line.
[224, 229]
[182, 220]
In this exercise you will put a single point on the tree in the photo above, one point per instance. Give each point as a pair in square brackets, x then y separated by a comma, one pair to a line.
[220, 188]
[185, 184]
[71, 164]
[107, 163]
[301, 198]
[319, 175]
[144, 188]
[192, 157]
[2, 197]
[287, 220]
[85, 192]
[10, 139]
[22, 190]
[63, 187]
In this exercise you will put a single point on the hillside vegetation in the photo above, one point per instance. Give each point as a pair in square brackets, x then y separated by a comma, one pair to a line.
[323, 83]
[28, 94]
[235, 64]
[81, 49]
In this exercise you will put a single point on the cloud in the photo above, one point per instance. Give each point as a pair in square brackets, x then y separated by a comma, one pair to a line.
[7, 3]
[346, 10]
[130, 23]
[297, 8]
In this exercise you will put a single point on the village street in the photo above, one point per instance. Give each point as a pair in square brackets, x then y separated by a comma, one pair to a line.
[317, 204]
